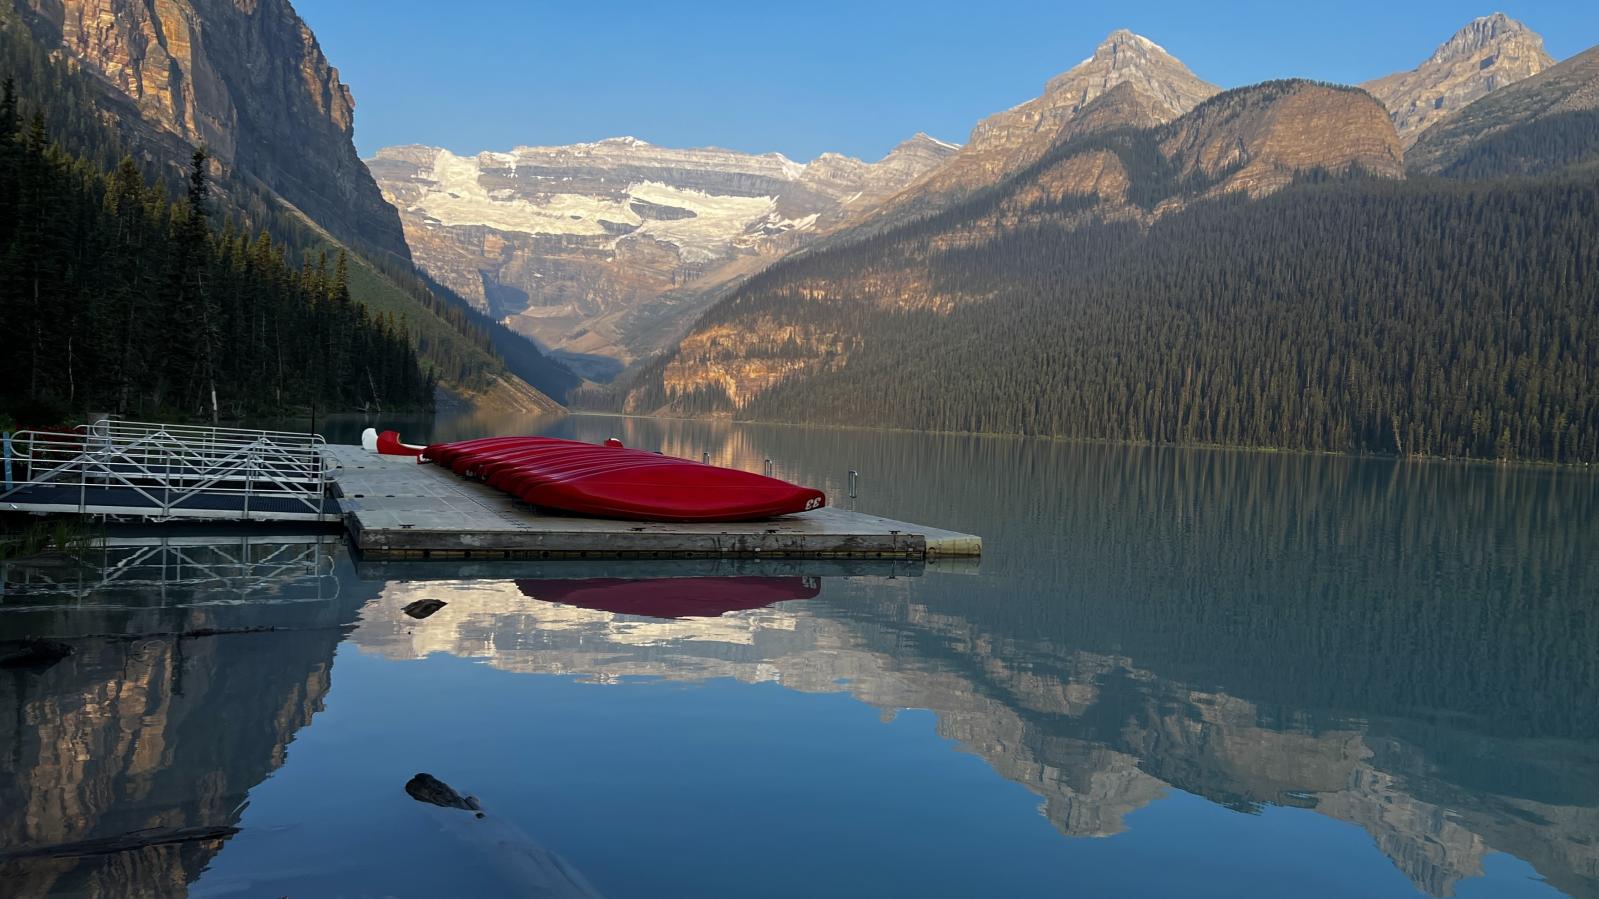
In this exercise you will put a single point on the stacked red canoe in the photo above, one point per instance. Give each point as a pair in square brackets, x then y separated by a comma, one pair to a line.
[615, 482]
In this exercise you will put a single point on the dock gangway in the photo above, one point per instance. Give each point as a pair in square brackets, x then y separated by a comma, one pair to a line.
[164, 471]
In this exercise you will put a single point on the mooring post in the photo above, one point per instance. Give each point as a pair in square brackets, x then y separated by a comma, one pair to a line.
[768, 467]
[705, 458]
[249, 480]
[854, 483]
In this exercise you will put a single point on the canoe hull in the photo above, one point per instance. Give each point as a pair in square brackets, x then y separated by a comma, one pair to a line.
[615, 482]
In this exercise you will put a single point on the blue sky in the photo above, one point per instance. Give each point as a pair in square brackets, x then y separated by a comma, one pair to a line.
[806, 77]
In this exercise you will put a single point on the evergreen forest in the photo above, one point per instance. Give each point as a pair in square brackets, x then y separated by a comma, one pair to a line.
[90, 149]
[1438, 317]
[116, 298]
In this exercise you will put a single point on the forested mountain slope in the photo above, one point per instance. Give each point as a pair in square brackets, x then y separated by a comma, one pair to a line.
[1254, 273]
[114, 78]
[1544, 124]
[115, 298]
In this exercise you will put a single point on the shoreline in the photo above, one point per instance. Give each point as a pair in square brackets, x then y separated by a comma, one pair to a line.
[1089, 441]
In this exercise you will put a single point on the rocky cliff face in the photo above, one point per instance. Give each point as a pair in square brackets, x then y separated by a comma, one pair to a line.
[1256, 139]
[1567, 92]
[1489, 53]
[565, 242]
[245, 78]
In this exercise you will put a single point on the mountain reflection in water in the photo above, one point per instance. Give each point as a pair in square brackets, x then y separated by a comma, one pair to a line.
[193, 663]
[1094, 734]
[1408, 653]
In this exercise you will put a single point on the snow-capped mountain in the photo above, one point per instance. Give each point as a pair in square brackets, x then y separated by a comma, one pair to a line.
[568, 243]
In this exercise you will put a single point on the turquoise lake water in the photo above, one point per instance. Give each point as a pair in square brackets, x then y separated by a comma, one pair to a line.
[1174, 673]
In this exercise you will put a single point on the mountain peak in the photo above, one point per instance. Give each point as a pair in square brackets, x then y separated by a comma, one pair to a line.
[1488, 54]
[1126, 56]
[1481, 34]
[922, 138]
[921, 153]
[1121, 50]
[1123, 37]
[1155, 88]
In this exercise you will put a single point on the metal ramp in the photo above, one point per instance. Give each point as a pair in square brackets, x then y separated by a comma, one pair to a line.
[163, 472]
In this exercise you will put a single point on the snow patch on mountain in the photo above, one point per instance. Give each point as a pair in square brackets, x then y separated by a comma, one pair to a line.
[454, 196]
[706, 234]
[574, 244]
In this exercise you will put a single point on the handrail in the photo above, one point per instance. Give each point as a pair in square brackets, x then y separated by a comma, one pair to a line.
[167, 466]
[213, 434]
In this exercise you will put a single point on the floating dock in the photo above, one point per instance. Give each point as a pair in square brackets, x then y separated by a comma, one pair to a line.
[397, 509]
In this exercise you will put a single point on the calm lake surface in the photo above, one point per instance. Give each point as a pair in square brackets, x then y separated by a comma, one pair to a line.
[1175, 673]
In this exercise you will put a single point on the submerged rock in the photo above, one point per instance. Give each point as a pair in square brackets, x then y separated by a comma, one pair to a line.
[425, 787]
[422, 608]
[521, 861]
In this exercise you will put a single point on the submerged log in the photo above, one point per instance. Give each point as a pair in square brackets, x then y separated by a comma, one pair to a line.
[127, 842]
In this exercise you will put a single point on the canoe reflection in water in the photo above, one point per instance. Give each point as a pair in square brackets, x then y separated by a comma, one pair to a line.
[673, 597]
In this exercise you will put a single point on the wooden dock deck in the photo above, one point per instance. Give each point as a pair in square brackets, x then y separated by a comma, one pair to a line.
[396, 509]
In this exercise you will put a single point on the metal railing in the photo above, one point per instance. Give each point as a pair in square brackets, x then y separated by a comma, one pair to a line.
[166, 471]
[188, 571]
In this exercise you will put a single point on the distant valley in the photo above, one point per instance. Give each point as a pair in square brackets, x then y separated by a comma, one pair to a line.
[605, 251]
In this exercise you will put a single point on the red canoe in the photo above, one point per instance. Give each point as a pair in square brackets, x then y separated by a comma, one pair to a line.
[680, 597]
[612, 481]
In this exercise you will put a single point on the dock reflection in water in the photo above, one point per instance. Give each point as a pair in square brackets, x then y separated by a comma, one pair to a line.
[1240, 674]
[187, 569]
